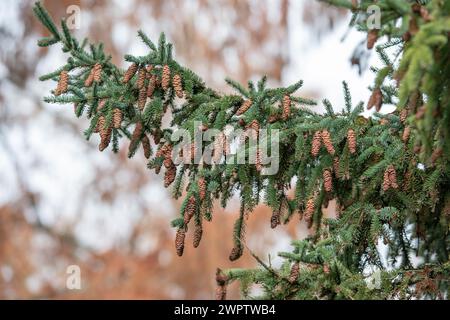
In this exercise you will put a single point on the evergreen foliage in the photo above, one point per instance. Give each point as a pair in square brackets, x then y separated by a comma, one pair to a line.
[389, 172]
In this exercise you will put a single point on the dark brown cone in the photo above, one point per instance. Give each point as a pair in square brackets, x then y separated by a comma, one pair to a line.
[351, 138]
[117, 118]
[130, 73]
[392, 177]
[136, 136]
[436, 155]
[336, 166]
[406, 133]
[97, 72]
[326, 138]
[316, 143]
[146, 146]
[275, 219]
[189, 210]
[170, 175]
[376, 99]
[386, 181]
[165, 79]
[62, 83]
[286, 107]
[327, 180]
[236, 253]
[179, 241]
[142, 98]
[198, 232]
[201, 188]
[221, 278]
[151, 86]
[90, 79]
[310, 208]
[244, 107]
[142, 74]
[157, 135]
[221, 292]
[295, 271]
[105, 134]
[372, 37]
[177, 86]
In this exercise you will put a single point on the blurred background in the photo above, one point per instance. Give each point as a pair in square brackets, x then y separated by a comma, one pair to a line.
[64, 203]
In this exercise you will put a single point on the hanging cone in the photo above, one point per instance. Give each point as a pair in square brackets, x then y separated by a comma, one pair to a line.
[142, 98]
[351, 138]
[90, 79]
[236, 253]
[372, 37]
[117, 118]
[165, 79]
[105, 134]
[310, 208]
[316, 143]
[295, 271]
[130, 73]
[97, 72]
[189, 210]
[275, 219]
[244, 107]
[201, 188]
[177, 86]
[142, 75]
[179, 241]
[406, 133]
[62, 83]
[146, 146]
[327, 180]
[198, 232]
[392, 177]
[326, 138]
[170, 175]
[336, 166]
[286, 107]
[376, 99]
[403, 115]
[151, 86]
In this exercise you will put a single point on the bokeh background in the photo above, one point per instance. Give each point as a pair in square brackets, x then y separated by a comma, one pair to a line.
[64, 203]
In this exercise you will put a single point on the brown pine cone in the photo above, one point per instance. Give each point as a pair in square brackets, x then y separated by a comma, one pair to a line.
[336, 166]
[130, 73]
[170, 175]
[376, 99]
[236, 253]
[105, 133]
[189, 210]
[295, 271]
[135, 138]
[386, 181]
[286, 107]
[90, 79]
[372, 37]
[151, 86]
[327, 180]
[392, 177]
[177, 86]
[142, 98]
[165, 79]
[244, 107]
[275, 219]
[97, 72]
[316, 143]
[406, 133]
[351, 138]
[436, 155]
[403, 115]
[146, 146]
[62, 83]
[142, 75]
[201, 188]
[179, 241]
[326, 138]
[310, 208]
[198, 232]
[117, 118]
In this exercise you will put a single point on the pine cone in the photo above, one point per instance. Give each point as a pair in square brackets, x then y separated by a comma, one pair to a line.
[117, 118]
[386, 181]
[130, 73]
[392, 177]
[179, 241]
[151, 86]
[336, 166]
[316, 143]
[142, 75]
[327, 180]
[177, 86]
[295, 271]
[326, 138]
[436, 155]
[142, 98]
[406, 133]
[105, 133]
[403, 115]
[236, 253]
[97, 72]
[90, 79]
[286, 107]
[372, 37]
[201, 188]
[198, 232]
[275, 219]
[310, 208]
[157, 135]
[244, 107]
[146, 146]
[165, 81]
[376, 99]
[62, 83]
[189, 210]
[135, 138]
[351, 138]
[170, 175]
